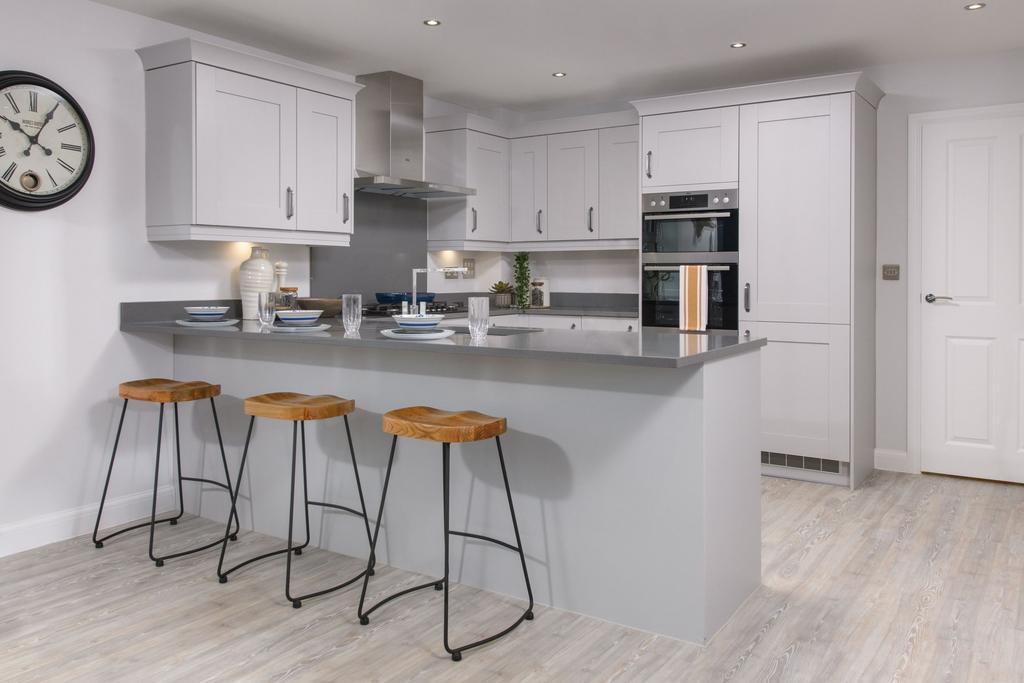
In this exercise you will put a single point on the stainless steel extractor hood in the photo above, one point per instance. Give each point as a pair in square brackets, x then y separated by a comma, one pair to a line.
[389, 139]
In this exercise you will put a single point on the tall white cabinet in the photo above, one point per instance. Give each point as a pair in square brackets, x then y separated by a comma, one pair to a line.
[805, 171]
[242, 148]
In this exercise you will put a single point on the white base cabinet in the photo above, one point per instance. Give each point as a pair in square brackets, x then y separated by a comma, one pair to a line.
[239, 148]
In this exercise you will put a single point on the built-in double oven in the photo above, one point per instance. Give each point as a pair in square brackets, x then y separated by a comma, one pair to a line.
[690, 244]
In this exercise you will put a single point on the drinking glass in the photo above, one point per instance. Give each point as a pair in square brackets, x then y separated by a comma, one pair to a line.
[266, 307]
[351, 312]
[479, 317]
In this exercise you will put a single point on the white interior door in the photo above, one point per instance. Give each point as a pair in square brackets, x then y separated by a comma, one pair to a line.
[528, 188]
[972, 343]
[324, 200]
[245, 150]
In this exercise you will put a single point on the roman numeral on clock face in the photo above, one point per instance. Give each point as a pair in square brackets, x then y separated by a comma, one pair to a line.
[51, 177]
[2, 151]
[33, 100]
[14, 105]
[71, 148]
[64, 129]
[10, 171]
[66, 166]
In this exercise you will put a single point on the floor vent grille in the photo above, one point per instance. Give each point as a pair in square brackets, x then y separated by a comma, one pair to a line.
[800, 462]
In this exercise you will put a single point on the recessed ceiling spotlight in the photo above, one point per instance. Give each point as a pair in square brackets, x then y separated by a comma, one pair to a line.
[737, 45]
[432, 22]
[974, 5]
[559, 74]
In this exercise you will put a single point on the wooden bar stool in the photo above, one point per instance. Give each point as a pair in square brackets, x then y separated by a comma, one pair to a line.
[445, 427]
[164, 391]
[298, 408]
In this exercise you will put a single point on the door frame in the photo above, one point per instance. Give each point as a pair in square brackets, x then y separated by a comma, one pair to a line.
[915, 137]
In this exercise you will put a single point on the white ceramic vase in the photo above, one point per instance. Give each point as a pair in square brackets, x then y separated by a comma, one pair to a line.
[254, 276]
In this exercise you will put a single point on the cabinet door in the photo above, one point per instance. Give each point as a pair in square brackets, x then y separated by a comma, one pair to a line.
[573, 185]
[556, 322]
[618, 158]
[795, 210]
[805, 389]
[245, 156]
[691, 148]
[595, 324]
[324, 191]
[487, 171]
[528, 188]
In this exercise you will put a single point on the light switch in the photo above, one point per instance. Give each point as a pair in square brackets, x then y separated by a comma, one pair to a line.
[891, 271]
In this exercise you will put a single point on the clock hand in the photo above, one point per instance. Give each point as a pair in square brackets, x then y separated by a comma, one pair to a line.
[34, 139]
[16, 126]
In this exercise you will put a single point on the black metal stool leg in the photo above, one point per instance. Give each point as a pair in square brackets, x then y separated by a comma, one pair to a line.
[156, 485]
[227, 472]
[181, 485]
[515, 527]
[110, 470]
[305, 486]
[446, 451]
[221, 574]
[359, 488]
[291, 517]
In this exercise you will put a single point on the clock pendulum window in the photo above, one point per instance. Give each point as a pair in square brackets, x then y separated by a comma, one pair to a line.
[46, 143]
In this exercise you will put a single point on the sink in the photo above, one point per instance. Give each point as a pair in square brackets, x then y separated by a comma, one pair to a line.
[499, 331]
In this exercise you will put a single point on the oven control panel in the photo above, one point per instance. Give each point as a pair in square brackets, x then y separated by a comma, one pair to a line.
[690, 201]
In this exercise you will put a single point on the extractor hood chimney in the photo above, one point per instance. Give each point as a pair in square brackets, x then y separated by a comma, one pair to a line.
[389, 139]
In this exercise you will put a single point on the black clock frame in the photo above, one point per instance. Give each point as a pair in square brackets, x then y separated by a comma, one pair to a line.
[23, 202]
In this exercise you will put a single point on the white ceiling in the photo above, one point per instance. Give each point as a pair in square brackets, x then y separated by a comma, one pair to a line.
[490, 54]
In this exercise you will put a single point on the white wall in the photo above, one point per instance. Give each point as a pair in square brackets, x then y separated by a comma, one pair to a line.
[70, 267]
[605, 272]
[910, 88]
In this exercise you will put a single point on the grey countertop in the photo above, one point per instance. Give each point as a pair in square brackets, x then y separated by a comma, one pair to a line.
[582, 312]
[652, 347]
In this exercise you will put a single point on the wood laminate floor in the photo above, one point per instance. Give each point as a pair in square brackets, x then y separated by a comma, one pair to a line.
[915, 578]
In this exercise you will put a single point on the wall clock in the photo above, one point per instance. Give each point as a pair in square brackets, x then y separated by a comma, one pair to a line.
[46, 144]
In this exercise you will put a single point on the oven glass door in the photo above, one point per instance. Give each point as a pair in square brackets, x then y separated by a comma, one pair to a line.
[696, 231]
[661, 292]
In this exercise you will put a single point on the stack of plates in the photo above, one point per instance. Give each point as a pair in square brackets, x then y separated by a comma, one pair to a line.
[299, 321]
[207, 316]
[428, 334]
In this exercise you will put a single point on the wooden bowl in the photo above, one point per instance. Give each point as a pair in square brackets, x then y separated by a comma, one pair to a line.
[331, 307]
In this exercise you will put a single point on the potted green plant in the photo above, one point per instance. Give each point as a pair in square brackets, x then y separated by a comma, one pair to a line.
[521, 275]
[502, 294]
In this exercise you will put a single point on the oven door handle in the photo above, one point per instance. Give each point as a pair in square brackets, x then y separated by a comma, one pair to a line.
[665, 269]
[670, 216]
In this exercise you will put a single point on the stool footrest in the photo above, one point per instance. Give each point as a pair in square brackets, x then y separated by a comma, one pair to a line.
[357, 513]
[399, 594]
[260, 557]
[141, 525]
[485, 538]
[206, 481]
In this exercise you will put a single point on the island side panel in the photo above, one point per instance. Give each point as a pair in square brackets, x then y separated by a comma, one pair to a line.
[604, 463]
[732, 484]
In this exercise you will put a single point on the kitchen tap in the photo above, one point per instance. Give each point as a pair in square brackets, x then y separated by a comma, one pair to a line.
[417, 271]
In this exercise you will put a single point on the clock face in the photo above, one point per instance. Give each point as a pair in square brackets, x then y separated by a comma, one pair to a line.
[45, 143]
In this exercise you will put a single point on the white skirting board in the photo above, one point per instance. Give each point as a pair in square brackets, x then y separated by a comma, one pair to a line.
[64, 524]
[894, 461]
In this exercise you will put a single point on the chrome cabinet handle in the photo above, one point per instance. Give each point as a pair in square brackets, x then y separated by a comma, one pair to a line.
[573, 326]
[746, 333]
[649, 155]
[289, 209]
[746, 297]
[931, 298]
[344, 208]
[473, 209]
[629, 329]
[539, 212]
[590, 219]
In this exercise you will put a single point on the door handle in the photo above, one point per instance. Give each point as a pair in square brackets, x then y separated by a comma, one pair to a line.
[931, 298]
[289, 209]
[539, 211]
[590, 219]
[344, 208]
[473, 209]
[649, 155]
[573, 326]
[746, 297]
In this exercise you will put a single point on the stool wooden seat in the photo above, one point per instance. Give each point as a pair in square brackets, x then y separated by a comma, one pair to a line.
[159, 390]
[287, 405]
[443, 426]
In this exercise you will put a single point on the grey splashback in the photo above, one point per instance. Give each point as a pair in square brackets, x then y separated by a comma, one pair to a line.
[390, 239]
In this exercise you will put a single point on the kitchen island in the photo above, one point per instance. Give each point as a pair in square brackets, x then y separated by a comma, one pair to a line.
[633, 457]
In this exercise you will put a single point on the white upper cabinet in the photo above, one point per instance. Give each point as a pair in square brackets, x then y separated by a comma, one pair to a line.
[471, 159]
[795, 189]
[573, 186]
[245, 150]
[690, 149]
[242, 148]
[618, 159]
[324, 163]
[528, 188]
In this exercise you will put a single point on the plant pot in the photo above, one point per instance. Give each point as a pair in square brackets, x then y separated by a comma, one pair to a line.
[503, 300]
